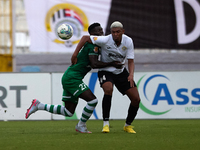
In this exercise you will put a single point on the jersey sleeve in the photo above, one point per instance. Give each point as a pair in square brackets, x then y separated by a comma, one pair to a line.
[99, 40]
[130, 52]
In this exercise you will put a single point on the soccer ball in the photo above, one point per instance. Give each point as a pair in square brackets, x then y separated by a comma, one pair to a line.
[65, 31]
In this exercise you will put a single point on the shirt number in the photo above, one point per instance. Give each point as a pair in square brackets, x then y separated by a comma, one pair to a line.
[82, 86]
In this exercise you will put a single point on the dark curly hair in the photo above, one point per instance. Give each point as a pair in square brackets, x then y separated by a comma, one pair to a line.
[92, 26]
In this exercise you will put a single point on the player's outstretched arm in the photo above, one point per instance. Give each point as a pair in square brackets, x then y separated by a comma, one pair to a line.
[84, 39]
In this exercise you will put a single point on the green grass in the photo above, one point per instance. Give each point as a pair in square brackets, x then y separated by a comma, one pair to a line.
[59, 135]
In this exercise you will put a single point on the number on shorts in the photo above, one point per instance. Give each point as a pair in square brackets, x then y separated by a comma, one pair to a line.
[82, 86]
[103, 78]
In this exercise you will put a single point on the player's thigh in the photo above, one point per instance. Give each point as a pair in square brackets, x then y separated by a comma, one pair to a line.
[70, 106]
[134, 96]
[68, 97]
[106, 81]
[108, 88]
[121, 81]
[74, 87]
[133, 93]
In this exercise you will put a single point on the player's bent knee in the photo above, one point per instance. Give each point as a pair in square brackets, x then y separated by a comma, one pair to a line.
[67, 113]
[135, 102]
[70, 115]
[138, 101]
[108, 91]
[93, 102]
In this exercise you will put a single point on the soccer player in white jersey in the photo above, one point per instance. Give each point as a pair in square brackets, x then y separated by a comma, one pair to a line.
[115, 47]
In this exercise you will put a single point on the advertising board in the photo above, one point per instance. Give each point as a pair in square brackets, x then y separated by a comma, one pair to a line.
[164, 95]
[17, 90]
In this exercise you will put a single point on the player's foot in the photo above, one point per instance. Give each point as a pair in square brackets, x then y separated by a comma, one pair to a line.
[82, 129]
[129, 129]
[106, 129]
[33, 108]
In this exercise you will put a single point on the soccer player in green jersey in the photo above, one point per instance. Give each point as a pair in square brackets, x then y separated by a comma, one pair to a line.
[73, 86]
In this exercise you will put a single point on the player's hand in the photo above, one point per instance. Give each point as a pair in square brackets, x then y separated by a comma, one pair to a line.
[117, 64]
[73, 60]
[130, 79]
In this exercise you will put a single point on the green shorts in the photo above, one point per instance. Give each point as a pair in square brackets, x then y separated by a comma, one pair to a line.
[72, 88]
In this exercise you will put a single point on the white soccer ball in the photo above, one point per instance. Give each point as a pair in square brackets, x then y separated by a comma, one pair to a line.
[65, 31]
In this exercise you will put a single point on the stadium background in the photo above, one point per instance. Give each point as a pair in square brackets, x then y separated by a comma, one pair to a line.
[166, 36]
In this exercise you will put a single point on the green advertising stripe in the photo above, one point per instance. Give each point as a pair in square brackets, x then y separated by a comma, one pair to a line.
[151, 112]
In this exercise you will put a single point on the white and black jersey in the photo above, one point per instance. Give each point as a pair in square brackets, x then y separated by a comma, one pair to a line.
[111, 52]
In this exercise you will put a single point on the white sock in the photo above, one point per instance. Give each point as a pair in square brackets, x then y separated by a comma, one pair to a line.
[41, 106]
[127, 124]
[81, 123]
[105, 123]
[55, 109]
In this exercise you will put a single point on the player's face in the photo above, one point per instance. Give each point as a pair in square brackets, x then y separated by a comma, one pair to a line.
[117, 34]
[98, 31]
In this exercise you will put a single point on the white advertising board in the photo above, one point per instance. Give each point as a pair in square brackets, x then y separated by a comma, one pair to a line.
[57, 93]
[169, 95]
[17, 90]
[164, 95]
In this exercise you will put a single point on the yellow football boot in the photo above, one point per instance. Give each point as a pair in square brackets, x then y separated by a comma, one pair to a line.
[129, 129]
[106, 129]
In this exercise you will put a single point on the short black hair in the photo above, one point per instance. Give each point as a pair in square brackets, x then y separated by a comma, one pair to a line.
[92, 26]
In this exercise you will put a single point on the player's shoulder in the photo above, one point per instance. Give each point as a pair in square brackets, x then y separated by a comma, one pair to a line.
[126, 37]
[91, 45]
[100, 39]
[109, 38]
[127, 40]
[105, 37]
[87, 45]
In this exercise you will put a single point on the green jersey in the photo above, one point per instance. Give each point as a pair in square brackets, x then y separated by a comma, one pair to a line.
[72, 82]
[82, 67]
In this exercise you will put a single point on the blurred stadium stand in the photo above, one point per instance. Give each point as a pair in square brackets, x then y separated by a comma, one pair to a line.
[145, 59]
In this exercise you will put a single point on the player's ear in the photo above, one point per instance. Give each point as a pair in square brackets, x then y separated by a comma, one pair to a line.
[123, 31]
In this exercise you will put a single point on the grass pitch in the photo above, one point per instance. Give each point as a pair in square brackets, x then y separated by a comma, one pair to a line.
[59, 135]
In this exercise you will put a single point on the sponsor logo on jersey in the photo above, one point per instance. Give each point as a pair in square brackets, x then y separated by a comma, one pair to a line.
[96, 50]
[94, 38]
[116, 55]
[124, 48]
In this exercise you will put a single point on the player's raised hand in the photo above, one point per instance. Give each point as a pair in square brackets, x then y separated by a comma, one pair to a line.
[130, 79]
